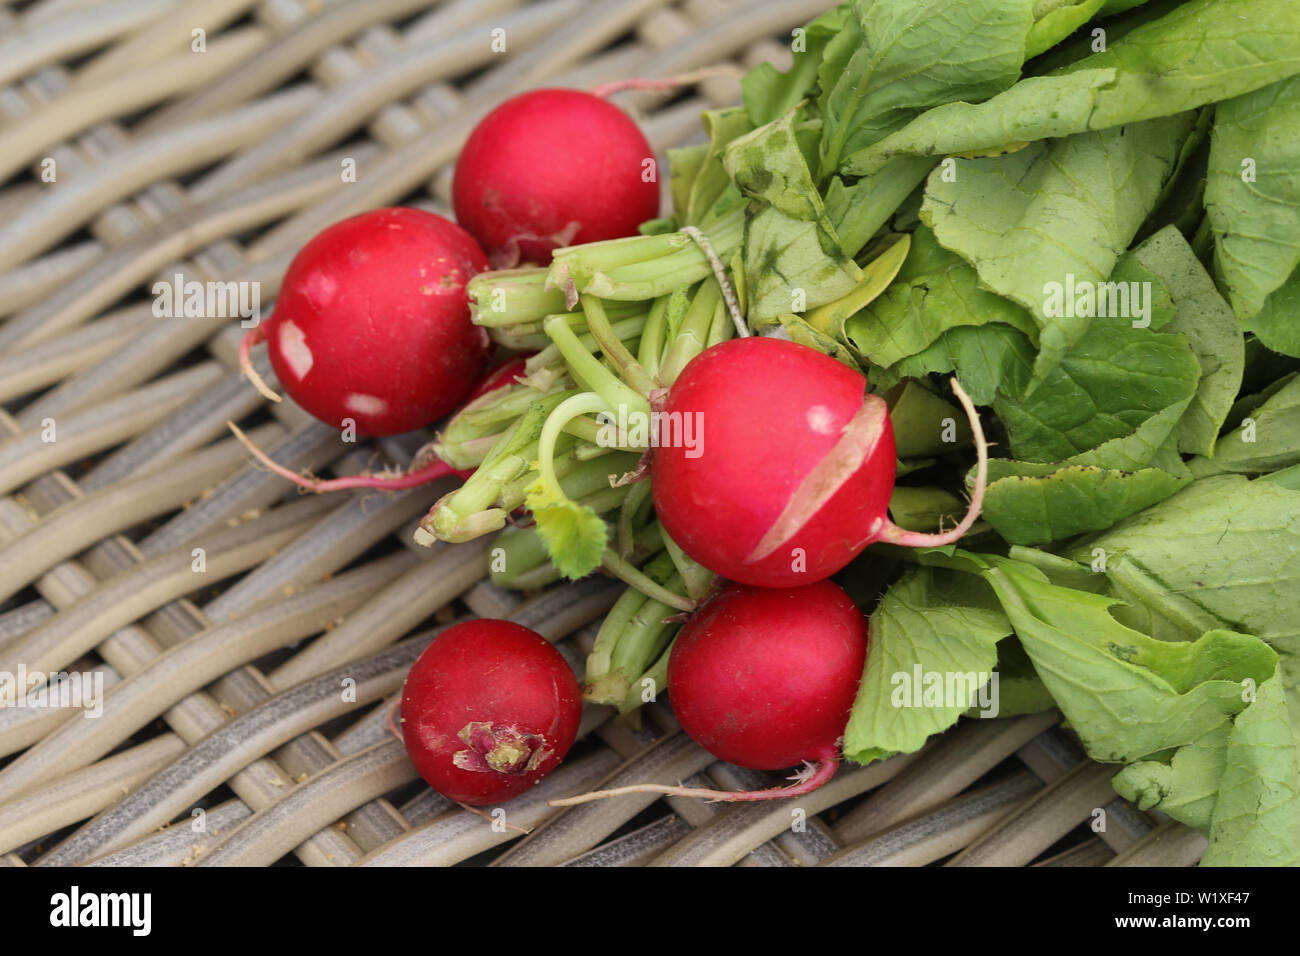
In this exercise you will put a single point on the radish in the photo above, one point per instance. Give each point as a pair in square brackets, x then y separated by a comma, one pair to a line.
[793, 465]
[372, 323]
[489, 709]
[765, 678]
[553, 168]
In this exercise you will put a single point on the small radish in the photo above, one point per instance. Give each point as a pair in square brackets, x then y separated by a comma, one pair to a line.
[792, 471]
[553, 168]
[488, 710]
[372, 323]
[765, 678]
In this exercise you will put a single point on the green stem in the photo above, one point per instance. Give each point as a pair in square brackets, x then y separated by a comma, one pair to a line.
[570, 408]
[721, 328]
[635, 509]
[657, 674]
[643, 639]
[693, 335]
[697, 579]
[629, 575]
[652, 337]
[511, 297]
[509, 339]
[648, 266]
[600, 659]
[605, 500]
[614, 349]
[599, 379]
[468, 512]
[578, 474]
[626, 330]
[591, 257]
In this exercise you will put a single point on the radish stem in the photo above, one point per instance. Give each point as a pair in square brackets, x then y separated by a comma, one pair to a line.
[630, 575]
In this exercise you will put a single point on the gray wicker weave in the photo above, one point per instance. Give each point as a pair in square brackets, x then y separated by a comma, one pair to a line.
[227, 736]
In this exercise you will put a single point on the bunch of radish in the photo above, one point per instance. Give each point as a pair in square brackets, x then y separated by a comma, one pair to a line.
[387, 322]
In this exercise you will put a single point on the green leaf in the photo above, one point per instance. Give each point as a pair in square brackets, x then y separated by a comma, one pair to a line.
[925, 423]
[1240, 784]
[943, 622]
[935, 290]
[1182, 198]
[913, 54]
[1187, 786]
[1035, 510]
[768, 165]
[785, 261]
[1126, 695]
[684, 165]
[922, 509]
[1019, 689]
[769, 93]
[1223, 552]
[1268, 440]
[988, 359]
[805, 334]
[1205, 725]
[1257, 814]
[1161, 68]
[1252, 192]
[1054, 217]
[574, 535]
[1055, 24]
[712, 193]
[1278, 322]
[859, 210]
[1113, 401]
[1204, 319]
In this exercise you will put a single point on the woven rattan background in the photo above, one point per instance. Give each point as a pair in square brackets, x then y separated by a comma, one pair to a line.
[225, 685]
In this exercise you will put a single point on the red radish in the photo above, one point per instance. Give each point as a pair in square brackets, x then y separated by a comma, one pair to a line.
[372, 323]
[488, 710]
[792, 471]
[553, 168]
[765, 678]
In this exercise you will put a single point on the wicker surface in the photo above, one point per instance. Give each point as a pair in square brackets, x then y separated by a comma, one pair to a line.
[226, 686]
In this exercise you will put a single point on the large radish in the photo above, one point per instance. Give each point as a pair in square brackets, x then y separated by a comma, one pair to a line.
[553, 168]
[792, 468]
[764, 678]
[372, 322]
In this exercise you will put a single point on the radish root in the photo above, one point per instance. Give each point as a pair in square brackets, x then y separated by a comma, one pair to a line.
[398, 481]
[916, 539]
[254, 336]
[667, 82]
[812, 776]
[392, 721]
[478, 812]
